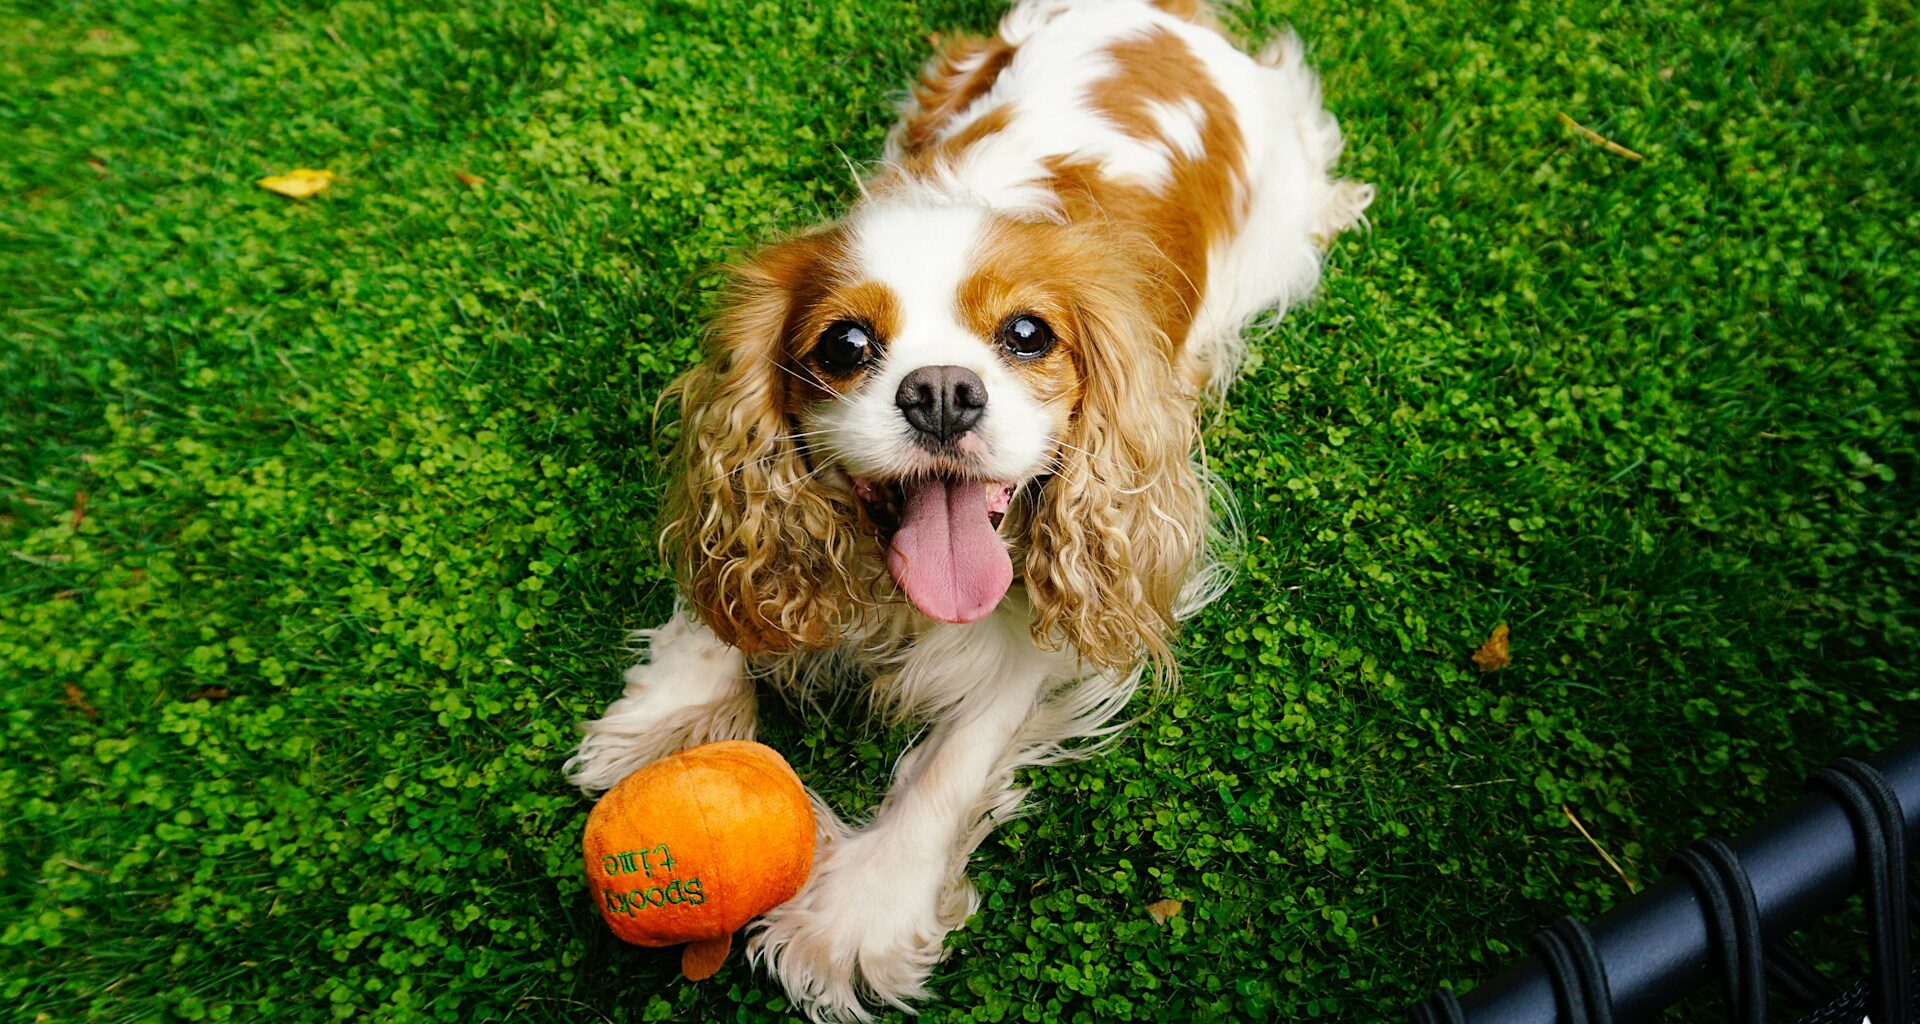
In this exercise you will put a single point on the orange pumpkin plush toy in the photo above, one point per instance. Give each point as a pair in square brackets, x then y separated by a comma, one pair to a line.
[693, 846]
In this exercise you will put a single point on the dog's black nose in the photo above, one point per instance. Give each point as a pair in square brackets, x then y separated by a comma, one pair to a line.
[942, 402]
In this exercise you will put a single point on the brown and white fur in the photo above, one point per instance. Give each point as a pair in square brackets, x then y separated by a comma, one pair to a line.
[1075, 218]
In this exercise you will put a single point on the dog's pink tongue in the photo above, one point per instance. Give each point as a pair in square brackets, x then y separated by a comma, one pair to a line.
[946, 555]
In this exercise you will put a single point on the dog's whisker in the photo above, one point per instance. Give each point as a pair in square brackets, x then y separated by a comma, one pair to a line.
[810, 378]
[802, 434]
[775, 457]
[1096, 457]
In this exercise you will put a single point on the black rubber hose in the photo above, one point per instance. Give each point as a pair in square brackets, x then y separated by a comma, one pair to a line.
[1655, 946]
[1879, 829]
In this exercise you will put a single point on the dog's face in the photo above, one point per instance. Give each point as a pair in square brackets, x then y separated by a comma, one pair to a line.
[930, 359]
[942, 379]
[936, 390]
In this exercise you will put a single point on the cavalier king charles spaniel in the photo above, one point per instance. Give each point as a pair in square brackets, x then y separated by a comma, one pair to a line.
[944, 449]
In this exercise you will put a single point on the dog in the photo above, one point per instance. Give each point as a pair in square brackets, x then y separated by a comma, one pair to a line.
[945, 447]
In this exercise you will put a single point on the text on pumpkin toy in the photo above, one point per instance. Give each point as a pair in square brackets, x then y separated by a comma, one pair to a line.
[688, 891]
[623, 863]
[676, 891]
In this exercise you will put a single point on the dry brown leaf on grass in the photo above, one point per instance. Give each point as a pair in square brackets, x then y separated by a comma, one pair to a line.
[210, 693]
[300, 183]
[470, 179]
[76, 699]
[1492, 655]
[1163, 911]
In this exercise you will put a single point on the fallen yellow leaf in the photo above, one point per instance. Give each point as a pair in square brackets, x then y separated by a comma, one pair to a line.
[1492, 655]
[1163, 910]
[470, 179]
[299, 184]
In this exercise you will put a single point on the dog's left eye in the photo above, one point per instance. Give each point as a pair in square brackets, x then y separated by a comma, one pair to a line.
[1026, 336]
[844, 347]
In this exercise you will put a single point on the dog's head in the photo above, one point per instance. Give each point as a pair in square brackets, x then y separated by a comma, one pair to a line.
[939, 391]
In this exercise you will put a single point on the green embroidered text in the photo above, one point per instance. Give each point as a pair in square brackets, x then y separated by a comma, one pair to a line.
[677, 891]
[625, 863]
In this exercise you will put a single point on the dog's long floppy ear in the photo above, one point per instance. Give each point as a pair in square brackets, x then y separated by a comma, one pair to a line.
[1120, 525]
[762, 555]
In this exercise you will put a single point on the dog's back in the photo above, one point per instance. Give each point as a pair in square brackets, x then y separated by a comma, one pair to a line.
[1129, 111]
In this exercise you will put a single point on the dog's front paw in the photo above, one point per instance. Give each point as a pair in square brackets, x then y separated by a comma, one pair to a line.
[685, 695]
[868, 928]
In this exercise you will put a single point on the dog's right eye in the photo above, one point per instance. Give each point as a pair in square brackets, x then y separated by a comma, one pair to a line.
[844, 347]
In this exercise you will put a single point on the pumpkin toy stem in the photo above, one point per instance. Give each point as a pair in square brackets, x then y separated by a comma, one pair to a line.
[699, 960]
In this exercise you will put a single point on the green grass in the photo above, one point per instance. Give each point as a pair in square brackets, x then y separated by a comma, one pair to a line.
[380, 468]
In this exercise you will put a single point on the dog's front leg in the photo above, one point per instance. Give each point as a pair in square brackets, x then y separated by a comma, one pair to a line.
[871, 920]
[690, 688]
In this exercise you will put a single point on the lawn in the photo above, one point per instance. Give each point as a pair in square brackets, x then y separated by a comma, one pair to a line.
[323, 520]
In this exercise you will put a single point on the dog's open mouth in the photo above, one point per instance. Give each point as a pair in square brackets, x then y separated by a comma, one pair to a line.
[941, 540]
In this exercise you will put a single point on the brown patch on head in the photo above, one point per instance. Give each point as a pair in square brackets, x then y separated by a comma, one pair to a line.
[950, 83]
[1041, 270]
[812, 277]
[767, 294]
[870, 304]
[788, 281]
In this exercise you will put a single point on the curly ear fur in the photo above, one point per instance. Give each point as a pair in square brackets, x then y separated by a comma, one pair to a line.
[1122, 522]
[761, 554]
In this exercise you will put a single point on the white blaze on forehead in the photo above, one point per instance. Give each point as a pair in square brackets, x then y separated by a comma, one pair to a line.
[922, 254]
